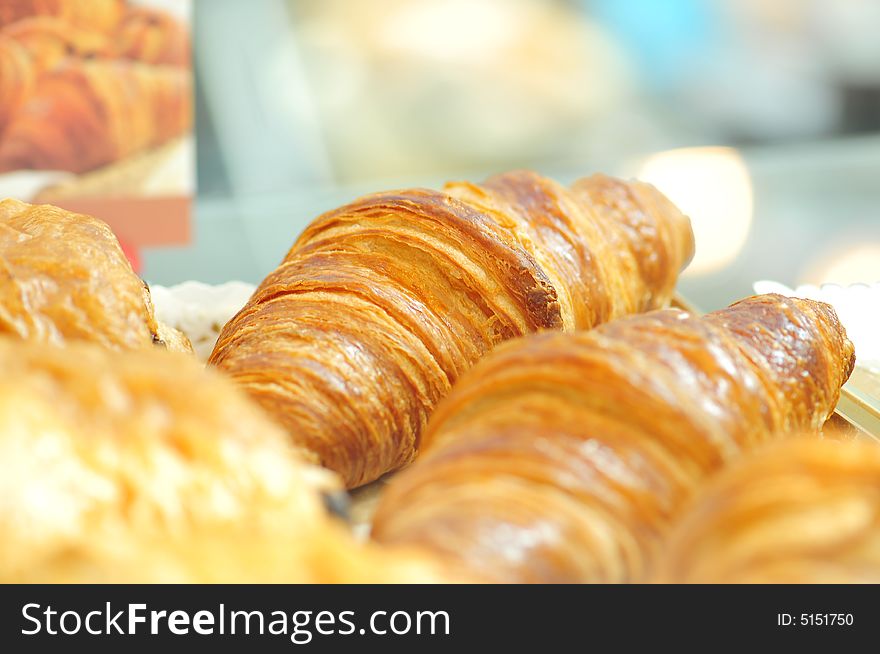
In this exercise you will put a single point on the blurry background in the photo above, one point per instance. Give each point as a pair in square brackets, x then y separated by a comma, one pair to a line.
[760, 119]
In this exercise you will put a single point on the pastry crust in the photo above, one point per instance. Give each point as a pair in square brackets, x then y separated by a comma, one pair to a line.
[567, 457]
[382, 304]
[63, 277]
[142, 466]
[795, 512]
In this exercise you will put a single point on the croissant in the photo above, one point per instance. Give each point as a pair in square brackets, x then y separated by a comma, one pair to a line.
[83, 115]
[142, 466]
[17, 78]
[63, 276]
[566, 457]
[32, 46]
[101, 15]
[152, 36]
[50, 40]
[795, 512]
[382, 304]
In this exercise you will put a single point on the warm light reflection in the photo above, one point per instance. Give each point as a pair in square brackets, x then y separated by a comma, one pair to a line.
[453, 29]
[852, 265]
[711, 185]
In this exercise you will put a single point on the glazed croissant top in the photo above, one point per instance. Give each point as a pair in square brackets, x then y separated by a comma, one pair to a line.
[567, 457]
[63, 277]
[382, 304]
[794, 512]
[142, 466]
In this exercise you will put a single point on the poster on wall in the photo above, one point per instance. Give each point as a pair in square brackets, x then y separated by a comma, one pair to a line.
[96, 111]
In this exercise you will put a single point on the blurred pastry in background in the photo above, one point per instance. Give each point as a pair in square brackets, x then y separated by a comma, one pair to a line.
[152, 36]
[444, 85]
[87, 114]
[795, 512]
[50, 40]
[65, 278]
[32, 46]
[102, 15]
[17, 78]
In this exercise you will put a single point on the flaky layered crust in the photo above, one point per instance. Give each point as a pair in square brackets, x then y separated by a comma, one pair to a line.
[64, 277]
[803, 511]
[85, 114]
[382, 304]
[567, 457]
[142, 466]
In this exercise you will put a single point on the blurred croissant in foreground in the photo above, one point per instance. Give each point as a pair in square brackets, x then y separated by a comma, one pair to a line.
[795, 512]
[142, 466]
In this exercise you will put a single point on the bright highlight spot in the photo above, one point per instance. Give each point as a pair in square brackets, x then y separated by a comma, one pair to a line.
[713, 187]
[853, 265]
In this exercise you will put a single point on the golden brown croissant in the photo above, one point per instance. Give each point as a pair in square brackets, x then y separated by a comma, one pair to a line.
[794, 512]
[123, 466]
[382, 304]
[152, 36]
[63, 276]
[101, 15]
[566, 457]
[83, 115]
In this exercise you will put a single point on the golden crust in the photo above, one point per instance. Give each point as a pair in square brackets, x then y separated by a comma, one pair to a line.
[793, 512]
[566, 457]
[382, 304]
[142, 466]
[63, 277]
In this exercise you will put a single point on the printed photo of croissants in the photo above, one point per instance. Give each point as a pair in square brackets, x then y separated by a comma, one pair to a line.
[502, 356]
[85, 84]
